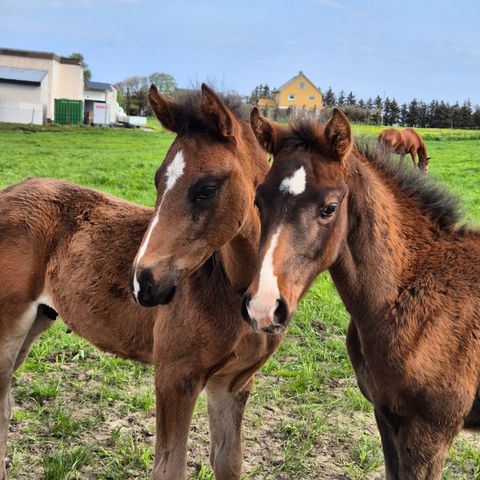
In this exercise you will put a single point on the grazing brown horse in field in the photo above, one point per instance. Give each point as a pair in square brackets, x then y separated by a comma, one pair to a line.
[409, 278]
[403, 142]
[69, 249]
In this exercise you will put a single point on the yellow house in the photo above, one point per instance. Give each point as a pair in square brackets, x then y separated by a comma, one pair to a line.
[298, 92]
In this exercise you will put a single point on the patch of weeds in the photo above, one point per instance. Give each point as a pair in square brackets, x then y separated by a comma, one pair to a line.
[366, 457]
[66, 464]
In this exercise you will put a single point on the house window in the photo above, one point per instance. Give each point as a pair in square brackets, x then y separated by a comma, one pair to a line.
[301, 85]
[291, 97]
[311, 97]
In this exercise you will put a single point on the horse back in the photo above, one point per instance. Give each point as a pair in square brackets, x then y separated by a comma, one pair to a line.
[413, 139]
[75, 247]
[391, 138]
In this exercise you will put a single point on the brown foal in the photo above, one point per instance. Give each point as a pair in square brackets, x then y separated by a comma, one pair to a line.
[69, 249]
[409, 277]
[403, 142]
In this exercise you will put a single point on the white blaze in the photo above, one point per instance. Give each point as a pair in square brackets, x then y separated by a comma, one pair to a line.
[174, 172]
[264, 303]
[296, 183]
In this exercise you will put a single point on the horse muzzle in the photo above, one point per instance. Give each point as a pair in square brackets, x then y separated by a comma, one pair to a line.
[273, 321]
[149, 292]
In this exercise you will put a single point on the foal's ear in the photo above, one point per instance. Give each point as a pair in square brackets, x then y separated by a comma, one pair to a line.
[217, 114]
[267, 133]
[339, 134]
[163, 107]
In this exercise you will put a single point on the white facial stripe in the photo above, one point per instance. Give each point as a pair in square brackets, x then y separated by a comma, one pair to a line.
[174, 172]
[296, 183]
[264, 303]
[143, 249]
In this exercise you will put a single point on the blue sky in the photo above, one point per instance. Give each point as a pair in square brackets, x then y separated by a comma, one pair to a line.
[425, 49]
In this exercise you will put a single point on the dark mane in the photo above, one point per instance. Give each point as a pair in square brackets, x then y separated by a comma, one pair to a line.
[432, 198]
[190, 119]
[305, 132]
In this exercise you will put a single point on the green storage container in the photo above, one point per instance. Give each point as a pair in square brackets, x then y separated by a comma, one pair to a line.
[68, 112]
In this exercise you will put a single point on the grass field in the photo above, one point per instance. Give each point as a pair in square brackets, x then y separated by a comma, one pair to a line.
[82, 414]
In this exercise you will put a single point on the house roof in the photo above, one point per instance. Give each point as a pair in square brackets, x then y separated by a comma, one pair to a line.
[22, 75]
[89, 85]
[300, 74]
[33, 54]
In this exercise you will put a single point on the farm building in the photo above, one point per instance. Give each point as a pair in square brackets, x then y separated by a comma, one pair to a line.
[100, 103]
[41, 87]
[298, 92]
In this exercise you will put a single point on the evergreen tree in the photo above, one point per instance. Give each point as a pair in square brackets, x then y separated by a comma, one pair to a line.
[362, 104]
[412, 115]
[386, 112]
[341, 99]
[476, 117]
[377, 110]
[351, 99]
[403, 115]
[329, 98]
[392, 117]
[465, 115]
[444, 115]
[423, 118]
[432, 114]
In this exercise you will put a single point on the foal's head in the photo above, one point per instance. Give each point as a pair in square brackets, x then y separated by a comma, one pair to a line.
[302, 205]
[205, 192]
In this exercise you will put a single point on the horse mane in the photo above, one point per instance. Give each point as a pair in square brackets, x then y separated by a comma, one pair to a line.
[190, 119]
[432, 198]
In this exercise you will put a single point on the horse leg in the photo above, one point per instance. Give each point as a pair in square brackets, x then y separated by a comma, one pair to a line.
[225, 415]
[422, 448]
[16, 325]
[413, 153]
[42, 322]
[177, 390]
[389, 447]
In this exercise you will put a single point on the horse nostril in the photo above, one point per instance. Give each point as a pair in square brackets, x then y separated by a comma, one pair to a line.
[146, 284]
[281, 312]
[146, 290]
[245, 301]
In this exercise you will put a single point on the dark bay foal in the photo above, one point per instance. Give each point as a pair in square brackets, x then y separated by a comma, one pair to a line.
[69, 249]
[409, 277]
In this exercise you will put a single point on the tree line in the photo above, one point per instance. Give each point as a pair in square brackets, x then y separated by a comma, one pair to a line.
[416, 113]
[132, 92]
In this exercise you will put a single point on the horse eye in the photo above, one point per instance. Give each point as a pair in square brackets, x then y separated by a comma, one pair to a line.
[328, 210]
[206, 193]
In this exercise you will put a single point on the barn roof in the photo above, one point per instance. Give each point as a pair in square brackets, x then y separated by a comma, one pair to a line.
[97, 85]
[33, 54]
[22, 75]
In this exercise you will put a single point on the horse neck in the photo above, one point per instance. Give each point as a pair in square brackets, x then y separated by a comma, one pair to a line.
[379, 246]
[239, 256]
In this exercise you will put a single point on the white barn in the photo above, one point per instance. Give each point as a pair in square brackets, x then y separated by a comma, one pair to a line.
[30, 82]
[100, 103]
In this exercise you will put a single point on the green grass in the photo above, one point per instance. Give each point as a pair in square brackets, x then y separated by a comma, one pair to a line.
[83, 414]
[428, 134]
